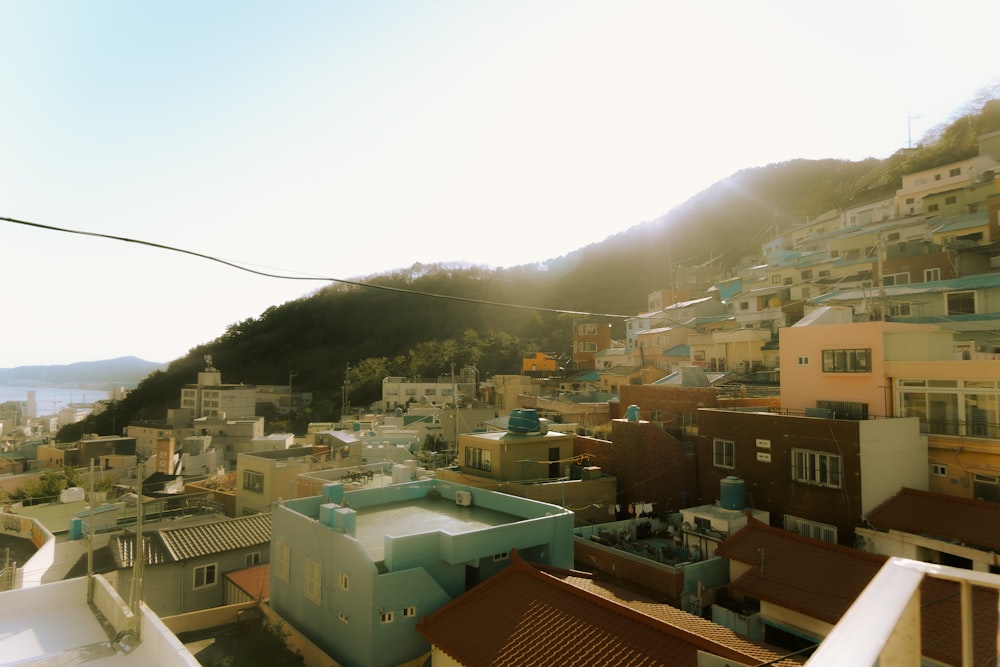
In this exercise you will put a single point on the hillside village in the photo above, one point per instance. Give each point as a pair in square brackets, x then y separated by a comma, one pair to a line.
[796, 461]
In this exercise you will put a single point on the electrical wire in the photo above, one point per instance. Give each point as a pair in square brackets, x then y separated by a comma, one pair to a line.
[283, 276]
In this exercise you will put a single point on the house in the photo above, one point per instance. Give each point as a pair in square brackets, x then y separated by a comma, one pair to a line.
[589, 338]
[264, 478]
[814, 474]
[539, 464]
[935, 528]
[795, 589]
[529, 615]
[182, 567]
[354, 570]
[896, 369]
[739, 350]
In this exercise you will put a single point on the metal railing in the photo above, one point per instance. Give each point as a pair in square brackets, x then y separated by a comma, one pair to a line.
[962, 429]
[882, 627]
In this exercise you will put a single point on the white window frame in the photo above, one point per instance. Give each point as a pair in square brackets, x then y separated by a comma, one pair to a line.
[344, 581]
[208, 573]
[939, 470]
[932, 275]
[802, 360]
[386, 617]
[817, 468]
[409, 612]
[723, 453]
[251, 559]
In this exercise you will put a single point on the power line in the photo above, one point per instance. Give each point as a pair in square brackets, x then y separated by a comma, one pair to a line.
[282, 276]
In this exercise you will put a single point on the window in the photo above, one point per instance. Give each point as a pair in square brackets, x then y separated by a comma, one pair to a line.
[894, 236]
[909, 200]
[590, 347]
[344, 581]
[253, 481]
[816, 468]
[896, 279]
[723, 453]
[899, 310]
[588, 329]
[802, 361]
[932, 275]
[932, 208]
[961, 303]
[386, 617]
[813, 529]
[282, 560]
[776, 279]
[205, 575]
[744, 305]
[252, 559]
[937, 177]
[955, 171]
[344, 618]
[939, 470]
[313, 585]
[807, 274]
[950, 200]
[503, 555]
[478, 459]
[847, 361]
[825, 273]
[409, 612]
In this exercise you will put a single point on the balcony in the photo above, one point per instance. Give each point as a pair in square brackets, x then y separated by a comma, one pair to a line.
[977, 429]
[883, 626]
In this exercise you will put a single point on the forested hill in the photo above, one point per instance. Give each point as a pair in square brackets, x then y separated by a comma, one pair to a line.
[395, 328]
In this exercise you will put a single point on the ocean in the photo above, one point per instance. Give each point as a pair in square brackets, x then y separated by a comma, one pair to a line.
[52, 399]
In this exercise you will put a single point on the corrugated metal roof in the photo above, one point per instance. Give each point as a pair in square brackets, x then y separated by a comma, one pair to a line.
[978, 281]
[176, 544]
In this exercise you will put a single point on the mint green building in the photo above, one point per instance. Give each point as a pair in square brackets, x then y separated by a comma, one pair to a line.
[355, 570]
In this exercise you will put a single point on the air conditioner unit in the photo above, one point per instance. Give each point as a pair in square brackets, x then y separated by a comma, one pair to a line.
[463, 498]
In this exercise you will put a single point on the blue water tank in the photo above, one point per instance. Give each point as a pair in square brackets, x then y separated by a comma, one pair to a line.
[524, 420]
[75, 528]
[632, 413]
[733, 493]
[356, 426]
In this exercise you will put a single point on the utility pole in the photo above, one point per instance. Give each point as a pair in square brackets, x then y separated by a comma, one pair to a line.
[880, 244]
[291, 374]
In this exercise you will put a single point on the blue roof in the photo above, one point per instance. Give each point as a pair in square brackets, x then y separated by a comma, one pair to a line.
[979, 281]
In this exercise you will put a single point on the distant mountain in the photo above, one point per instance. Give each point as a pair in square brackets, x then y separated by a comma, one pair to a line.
[123, 371]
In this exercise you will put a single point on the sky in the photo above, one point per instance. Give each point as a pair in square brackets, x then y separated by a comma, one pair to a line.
[328, 139]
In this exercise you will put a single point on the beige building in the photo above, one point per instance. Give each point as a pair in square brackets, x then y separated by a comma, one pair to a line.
[211, 398]
[538, 466]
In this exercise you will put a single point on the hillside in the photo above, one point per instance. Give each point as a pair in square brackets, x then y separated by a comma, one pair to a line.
[346, 332]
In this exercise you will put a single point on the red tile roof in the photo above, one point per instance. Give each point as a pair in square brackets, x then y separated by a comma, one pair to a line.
[254, 581]
[524, 617]
[822, 580]
[974, 523]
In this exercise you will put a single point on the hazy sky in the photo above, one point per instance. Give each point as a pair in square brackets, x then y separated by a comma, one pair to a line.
[349, 138]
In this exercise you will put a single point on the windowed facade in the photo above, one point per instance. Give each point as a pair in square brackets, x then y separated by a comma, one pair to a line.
[479, 459]
[723, 453]
[960, 303]
[951, 407]
[847, 361]
[817, 468]
[813, 529]
[253, 481]
[206, 575]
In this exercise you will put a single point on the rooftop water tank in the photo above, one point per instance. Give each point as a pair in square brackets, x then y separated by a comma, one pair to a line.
[524, 420]
[732, 493]
[632, 413]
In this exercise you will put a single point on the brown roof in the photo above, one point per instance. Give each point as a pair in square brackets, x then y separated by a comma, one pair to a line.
[974, 523]
[785, 566]
[254, 581]
[523, 616]
[822, 580]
